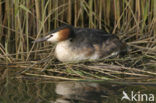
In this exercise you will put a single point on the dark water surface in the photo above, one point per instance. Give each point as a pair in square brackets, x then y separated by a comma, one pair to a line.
[39, 90]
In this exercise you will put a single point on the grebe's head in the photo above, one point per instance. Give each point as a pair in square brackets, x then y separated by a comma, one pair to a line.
[60, 34]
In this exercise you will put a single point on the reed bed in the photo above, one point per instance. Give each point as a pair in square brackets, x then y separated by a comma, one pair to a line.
[23, 21]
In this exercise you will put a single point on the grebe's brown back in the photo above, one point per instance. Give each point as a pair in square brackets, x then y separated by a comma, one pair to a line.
[76, 44]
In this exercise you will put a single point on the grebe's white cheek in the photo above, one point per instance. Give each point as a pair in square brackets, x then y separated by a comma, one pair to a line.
[54, 38]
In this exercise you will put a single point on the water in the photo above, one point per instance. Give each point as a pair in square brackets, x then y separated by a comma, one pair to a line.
[39, 90]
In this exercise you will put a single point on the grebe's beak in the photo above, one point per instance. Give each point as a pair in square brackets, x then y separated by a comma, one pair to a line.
[43, 39]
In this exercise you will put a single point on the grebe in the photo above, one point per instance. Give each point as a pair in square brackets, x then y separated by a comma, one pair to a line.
[76, 44]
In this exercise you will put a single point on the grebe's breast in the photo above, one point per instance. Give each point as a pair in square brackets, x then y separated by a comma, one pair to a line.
[66, 51]
[88, 44]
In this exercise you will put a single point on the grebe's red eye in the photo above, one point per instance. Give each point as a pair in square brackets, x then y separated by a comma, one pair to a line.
[51, 35]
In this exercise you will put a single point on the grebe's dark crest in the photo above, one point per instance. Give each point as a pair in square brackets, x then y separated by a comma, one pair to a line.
[59, 34]
[76, 44]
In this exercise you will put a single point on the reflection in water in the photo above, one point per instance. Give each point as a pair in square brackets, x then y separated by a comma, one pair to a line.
[79, 91]
[32, 90]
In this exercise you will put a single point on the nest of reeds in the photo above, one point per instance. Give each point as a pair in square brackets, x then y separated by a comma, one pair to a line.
[138, 64]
